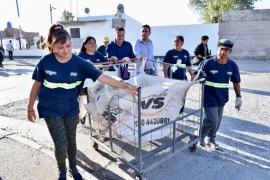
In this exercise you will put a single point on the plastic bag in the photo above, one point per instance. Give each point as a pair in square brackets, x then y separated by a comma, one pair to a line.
[124, 72]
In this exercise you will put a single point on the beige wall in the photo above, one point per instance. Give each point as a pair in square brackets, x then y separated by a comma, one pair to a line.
[250, 32]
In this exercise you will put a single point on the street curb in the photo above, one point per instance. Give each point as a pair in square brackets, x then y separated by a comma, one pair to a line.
[36, 146]
[26, 141]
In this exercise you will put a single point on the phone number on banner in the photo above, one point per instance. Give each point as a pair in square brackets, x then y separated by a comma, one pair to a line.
[153, 121]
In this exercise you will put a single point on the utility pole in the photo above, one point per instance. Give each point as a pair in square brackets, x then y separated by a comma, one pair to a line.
[19, 25]
[71, 8]
[77, 10]
[51, 12]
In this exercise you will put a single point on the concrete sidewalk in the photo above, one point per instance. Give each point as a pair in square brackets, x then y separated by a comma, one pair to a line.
[26, 149]
[23, 156]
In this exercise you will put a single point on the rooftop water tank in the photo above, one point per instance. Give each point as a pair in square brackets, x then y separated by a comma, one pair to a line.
[9, 25]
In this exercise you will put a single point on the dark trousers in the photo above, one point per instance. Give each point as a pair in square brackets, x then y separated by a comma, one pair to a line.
[63, 133]
[1, 60]
[211, 122]
[10, 55]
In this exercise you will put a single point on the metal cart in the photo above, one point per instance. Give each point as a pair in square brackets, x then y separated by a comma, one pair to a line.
[142, 156]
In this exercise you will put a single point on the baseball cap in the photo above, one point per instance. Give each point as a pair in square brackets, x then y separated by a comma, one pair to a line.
[106, 39]
[225, 43]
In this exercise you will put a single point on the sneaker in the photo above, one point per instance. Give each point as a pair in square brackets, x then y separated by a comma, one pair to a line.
[62, 175]
[213, 144]
[75, 174]
[192, 148]
[202, 142]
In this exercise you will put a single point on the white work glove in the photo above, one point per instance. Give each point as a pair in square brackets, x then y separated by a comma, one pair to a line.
[238, 103]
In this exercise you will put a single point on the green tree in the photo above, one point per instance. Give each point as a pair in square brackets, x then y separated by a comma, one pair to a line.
[67, 16]
[211, 11]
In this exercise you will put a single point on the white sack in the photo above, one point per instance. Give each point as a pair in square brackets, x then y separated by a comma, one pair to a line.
[161, 101]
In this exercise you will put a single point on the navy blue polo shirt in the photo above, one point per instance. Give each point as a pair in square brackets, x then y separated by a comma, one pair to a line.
[95, 58]
[61, 84]
[218, 76]
[125, 50]
[172, 57]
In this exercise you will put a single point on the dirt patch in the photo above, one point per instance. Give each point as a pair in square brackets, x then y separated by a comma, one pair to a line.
[16, 110]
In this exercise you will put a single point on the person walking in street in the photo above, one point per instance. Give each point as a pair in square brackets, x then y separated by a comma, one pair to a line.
[58, 79]
[143, 48]
[2, 53]
[10, 50]
[202, 52]
[102, 48]
[219, 71]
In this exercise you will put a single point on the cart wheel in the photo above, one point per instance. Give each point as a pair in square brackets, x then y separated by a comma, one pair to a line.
[137, 176]
[192, 148]
[95, 145]
[140, 176]
[83, 120]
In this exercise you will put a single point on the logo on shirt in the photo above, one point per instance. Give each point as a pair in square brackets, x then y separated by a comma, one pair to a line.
[98, 60]
[214, 71]
[73, 74]
[229, 73]
[175, 56]
[185, 56]
[50, 72]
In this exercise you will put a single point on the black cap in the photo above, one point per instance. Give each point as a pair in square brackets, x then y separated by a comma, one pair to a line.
[225, 43]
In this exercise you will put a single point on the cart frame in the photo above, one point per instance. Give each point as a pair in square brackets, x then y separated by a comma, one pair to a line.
[171, 148]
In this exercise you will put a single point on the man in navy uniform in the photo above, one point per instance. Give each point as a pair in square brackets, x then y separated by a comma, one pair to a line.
[119, 49]
[219, 71]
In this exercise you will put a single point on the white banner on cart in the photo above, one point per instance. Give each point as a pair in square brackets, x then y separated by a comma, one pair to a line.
[161, 101]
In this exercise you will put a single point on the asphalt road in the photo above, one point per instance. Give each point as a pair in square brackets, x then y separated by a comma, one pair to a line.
[26, 149]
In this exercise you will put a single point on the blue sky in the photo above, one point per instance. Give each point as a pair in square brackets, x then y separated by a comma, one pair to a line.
[35, 14]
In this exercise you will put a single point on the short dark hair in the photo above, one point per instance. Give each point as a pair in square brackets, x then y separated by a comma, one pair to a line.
[119, 28]
[180, 37]
[146, 26]
[204, 38]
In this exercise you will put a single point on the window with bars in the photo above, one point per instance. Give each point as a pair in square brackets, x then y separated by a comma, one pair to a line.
[75, 32]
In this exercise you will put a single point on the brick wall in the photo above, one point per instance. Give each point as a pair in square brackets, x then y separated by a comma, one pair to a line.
[249, 29]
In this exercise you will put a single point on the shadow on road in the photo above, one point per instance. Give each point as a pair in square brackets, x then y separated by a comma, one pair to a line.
[252, 91]
[8, 72]
[245, 143]
[94, 168]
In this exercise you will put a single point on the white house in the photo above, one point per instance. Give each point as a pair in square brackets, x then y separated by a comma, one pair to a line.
[162, 36]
